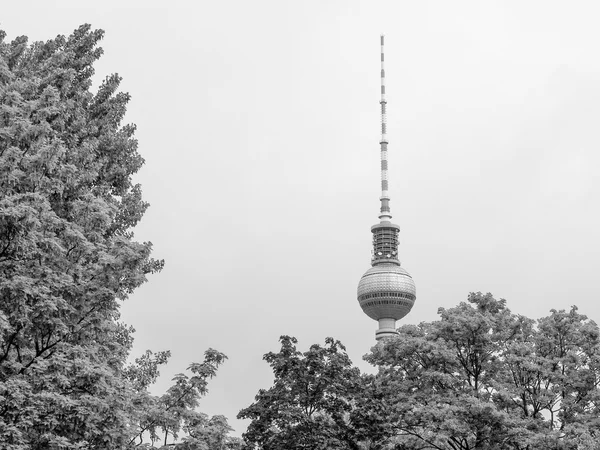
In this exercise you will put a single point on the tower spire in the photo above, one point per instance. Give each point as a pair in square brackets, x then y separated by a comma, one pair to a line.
[385, 213]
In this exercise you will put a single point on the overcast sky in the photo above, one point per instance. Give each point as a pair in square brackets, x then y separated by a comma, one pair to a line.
[259, 123]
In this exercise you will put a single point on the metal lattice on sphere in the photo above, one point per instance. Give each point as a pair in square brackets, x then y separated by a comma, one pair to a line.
[386, 290]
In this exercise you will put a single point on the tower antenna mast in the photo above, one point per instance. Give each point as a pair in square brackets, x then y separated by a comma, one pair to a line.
[385, 212]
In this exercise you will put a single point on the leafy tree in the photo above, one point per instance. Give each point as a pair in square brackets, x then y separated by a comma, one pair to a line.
[209, 434]
[159, 418]
[484, 378]
[481, 377]
[310, 400]
[68, 256]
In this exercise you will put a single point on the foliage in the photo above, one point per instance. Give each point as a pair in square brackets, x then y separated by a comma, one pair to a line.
[166, 416]
[68, 256]
[209, 434]
[66, 249]
[482, 378]
[310, 400]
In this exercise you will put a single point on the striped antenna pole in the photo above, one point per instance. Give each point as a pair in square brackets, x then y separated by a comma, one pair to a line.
[385, 214]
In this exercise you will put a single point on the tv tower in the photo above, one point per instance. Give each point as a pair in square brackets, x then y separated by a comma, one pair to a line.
[386, 292]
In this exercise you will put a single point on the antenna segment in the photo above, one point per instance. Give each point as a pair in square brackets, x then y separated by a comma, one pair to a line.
[385, 213]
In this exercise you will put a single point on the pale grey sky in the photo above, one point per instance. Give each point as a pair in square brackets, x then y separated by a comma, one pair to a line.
[259, 123]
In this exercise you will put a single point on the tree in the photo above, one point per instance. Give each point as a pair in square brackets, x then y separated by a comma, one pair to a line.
[484, 378]
[161, 417]
[310, 400]
[68, 257]
[481, 377]
[209, 434]
[67, 253]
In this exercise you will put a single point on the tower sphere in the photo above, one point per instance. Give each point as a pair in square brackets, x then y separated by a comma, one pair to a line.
[386, 291]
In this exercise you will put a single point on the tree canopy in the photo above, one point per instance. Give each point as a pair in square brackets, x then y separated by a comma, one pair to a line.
[483, 377]
[480, 377]
[68, 257]
[308, 405]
